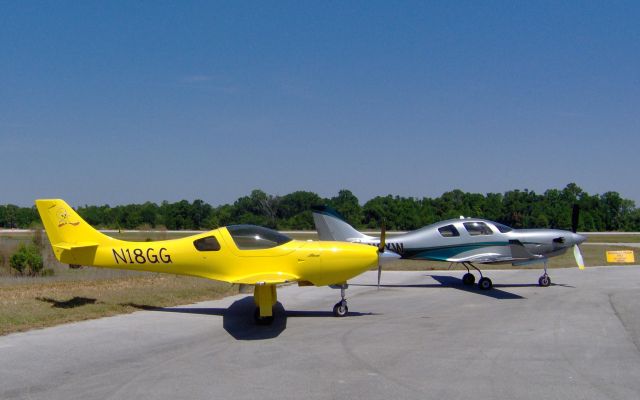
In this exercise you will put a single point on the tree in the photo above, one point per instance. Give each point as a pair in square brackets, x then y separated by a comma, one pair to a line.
[258, 208]
[518, 208]
[200, 212]
[149, 214]
[493, 208]
[9, 216]
[347, 204]
[612, 205]
[294, 210]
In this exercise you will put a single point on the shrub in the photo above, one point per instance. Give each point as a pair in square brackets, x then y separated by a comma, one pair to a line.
[27, 260]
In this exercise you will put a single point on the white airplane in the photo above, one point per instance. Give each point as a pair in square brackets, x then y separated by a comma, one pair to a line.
[466, 241]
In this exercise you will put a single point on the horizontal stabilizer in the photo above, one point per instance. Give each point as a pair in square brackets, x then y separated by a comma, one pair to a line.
[71, 246]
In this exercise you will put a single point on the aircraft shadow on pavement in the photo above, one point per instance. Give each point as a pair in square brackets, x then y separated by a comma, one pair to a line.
[456, 283]
[72, 303]
[453, 281]
[238, 320]
[445, 281]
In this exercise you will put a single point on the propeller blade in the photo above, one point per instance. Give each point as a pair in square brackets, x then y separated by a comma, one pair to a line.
[383, 237]
[575, 217]
[578, 255]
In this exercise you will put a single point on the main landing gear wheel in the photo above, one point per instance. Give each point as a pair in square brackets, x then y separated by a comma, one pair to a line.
[485, 283]
[262, 320]
[544, 280]
[340, 309]
[468, 279]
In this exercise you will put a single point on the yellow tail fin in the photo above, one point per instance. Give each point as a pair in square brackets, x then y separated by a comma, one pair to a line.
[66, 229]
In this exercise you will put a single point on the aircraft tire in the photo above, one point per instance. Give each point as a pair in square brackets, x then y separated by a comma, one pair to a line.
[261, 320]
[544, 281]
[340, 309]
[468, 279]
[485, 283]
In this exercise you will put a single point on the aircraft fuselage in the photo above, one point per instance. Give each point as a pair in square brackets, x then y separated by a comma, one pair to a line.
[480, 241]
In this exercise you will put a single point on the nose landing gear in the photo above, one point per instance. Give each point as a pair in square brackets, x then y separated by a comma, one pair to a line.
[544, 280]
[341, 309]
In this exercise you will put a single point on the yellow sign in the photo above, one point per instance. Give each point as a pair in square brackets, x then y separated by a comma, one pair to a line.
[620, 256]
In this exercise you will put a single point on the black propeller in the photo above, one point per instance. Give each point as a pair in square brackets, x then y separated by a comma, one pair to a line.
[575, 217]
[381, 246]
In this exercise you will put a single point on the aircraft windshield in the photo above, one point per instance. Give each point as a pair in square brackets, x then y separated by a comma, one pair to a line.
[502, 228]
[251, 237]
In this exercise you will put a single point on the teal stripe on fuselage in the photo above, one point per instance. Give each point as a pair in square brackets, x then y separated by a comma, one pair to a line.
[442, 253]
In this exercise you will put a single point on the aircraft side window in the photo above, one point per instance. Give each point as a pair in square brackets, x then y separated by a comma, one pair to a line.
[209, 243]
[477, 228]
[449, 231]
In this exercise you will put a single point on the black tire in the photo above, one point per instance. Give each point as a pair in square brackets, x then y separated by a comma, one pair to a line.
[261, 320]
[340, 309]
[485, 284]
[544, 281]
[468, 279]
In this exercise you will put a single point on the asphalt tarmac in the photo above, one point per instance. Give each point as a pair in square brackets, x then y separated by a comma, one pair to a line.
[423, 335]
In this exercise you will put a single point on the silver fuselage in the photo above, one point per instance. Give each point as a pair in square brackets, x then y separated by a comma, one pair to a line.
[480, 241]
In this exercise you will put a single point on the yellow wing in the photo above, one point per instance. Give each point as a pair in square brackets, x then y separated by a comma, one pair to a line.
[266, 279]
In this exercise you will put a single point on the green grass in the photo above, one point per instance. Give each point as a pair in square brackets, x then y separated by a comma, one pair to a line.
[31, 304]
[614, 238]
[75, 295]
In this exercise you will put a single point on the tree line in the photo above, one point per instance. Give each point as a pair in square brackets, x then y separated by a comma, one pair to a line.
[516, 208]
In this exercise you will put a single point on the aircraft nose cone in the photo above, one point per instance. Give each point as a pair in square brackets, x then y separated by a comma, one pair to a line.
[387, 256]
[578, 239]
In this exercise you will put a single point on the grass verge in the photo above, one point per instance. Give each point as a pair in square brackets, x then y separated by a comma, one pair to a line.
[615, 238]
[32, 305]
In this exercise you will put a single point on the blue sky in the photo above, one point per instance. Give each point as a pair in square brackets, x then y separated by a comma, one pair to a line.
[124, 102]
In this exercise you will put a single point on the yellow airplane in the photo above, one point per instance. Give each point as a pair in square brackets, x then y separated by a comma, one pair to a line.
[241, 254]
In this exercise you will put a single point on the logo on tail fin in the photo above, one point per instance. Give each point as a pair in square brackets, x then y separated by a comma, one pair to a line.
[63, 218]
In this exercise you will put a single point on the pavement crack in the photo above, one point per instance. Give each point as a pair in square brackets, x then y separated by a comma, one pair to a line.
[626, 327]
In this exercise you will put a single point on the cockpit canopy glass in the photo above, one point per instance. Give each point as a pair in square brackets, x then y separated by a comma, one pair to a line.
[251, 237]
[448, 231]
[477, 228]
[502, 228]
